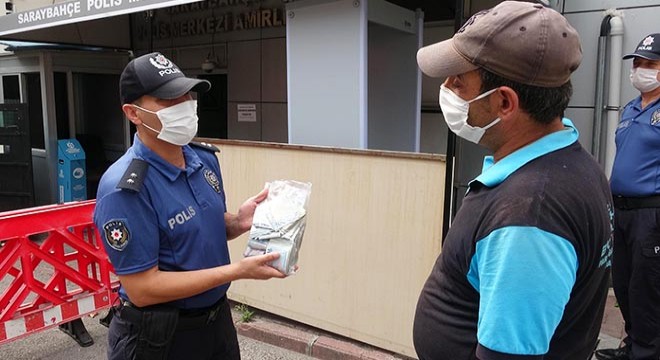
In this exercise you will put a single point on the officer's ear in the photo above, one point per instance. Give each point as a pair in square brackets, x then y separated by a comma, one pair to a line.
[131, 113]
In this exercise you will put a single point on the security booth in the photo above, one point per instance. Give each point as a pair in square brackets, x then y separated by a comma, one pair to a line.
[67, 92]
[71, 171]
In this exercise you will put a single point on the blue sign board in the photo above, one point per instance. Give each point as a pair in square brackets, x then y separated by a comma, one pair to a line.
[71, 173]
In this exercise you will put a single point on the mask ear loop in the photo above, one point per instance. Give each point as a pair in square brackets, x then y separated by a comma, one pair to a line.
[145, 110]
[483, 95]
[150, 128]
[143, 123]
[492, 123]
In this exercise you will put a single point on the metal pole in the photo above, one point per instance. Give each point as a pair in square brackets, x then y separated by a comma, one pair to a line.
[600, 88]
[451, 146]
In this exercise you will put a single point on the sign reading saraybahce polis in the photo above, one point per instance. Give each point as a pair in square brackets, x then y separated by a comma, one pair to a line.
[82, 10]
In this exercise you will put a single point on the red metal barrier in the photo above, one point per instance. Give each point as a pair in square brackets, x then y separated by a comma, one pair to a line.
[53, 268]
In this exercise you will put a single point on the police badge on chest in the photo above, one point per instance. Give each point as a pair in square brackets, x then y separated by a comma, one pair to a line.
[212, 179]
[655, 118]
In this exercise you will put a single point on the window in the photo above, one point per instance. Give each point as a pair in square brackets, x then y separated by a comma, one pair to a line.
[11, 95]
[35, 111]
[11, 89]
[61, 106]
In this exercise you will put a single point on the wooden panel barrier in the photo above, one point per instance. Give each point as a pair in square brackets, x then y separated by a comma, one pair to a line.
[373, 233]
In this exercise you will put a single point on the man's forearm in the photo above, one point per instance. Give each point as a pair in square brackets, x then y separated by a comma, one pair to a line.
[233, 226]
[155, 286]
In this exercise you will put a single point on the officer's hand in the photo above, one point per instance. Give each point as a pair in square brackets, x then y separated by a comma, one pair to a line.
[257, 267]
[246, 211]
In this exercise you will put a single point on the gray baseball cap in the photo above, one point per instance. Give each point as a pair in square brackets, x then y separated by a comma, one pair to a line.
[154, 74]
[520, 41]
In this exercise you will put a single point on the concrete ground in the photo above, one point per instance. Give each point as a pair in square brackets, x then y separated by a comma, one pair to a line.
[52, 344]
[300, 338]
[612, 327]
[307, 340]
[274, 330]
[266, 337]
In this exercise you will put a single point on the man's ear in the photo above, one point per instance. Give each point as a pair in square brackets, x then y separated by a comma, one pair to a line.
[131, 114]
[508, 102]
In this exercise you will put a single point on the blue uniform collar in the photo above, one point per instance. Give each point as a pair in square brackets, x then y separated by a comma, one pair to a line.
[193, 163]
[637, 104]
[493, 173]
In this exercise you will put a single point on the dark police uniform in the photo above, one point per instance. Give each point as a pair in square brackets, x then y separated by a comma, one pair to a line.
[635, 184]
[151, 213]
[524, 268]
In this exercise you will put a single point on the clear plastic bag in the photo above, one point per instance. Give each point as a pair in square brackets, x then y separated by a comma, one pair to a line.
[279, 223]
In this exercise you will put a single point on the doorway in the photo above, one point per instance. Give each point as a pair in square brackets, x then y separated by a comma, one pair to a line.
[212, 108]
[100, 125]
[16, 186]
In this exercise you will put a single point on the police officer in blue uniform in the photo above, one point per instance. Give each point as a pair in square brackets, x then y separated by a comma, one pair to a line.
[162, 215]
[635, 184]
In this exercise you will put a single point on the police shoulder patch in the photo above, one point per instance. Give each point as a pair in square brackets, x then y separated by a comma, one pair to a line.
[134, 176]
[116, 234]
[205, 146]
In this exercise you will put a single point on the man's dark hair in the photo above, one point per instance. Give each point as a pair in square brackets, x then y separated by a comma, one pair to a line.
[543, 104]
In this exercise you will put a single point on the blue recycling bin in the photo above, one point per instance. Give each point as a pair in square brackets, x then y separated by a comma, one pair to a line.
[71, 173]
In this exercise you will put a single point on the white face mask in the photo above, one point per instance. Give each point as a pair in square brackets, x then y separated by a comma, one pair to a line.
[179, 122]
[643, 79]
[455, 111]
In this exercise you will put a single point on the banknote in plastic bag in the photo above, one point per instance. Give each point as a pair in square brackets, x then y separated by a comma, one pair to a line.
[279, 223]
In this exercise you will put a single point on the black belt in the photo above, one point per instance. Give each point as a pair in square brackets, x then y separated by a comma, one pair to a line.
[628, 203]
[189, 319]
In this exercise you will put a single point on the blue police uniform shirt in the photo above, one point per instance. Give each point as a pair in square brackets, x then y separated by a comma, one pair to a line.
[636, 169]
[175, 220]
[524, 267]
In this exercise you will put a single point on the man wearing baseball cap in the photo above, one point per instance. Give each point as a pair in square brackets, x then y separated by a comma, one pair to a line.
[636, 190]
[163, 220]
[524, 268]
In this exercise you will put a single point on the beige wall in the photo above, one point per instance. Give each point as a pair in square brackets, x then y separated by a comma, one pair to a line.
[373, 233]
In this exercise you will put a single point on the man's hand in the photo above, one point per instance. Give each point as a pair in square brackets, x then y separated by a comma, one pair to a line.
[246, 211]
[154, 286]
[242, 222]
[257, 267]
